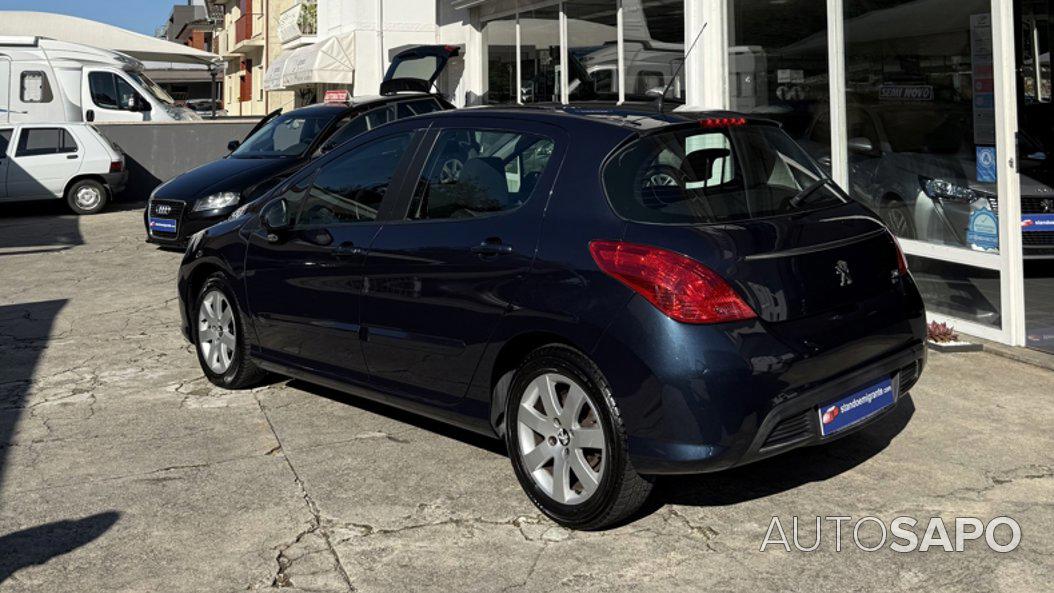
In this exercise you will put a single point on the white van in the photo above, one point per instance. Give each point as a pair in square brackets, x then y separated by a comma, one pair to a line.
[43, 80]
[66, 161]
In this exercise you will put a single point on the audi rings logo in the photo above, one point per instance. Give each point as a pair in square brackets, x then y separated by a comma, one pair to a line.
[163, 209]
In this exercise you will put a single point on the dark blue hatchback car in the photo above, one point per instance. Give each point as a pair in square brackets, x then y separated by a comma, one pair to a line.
[617, 294]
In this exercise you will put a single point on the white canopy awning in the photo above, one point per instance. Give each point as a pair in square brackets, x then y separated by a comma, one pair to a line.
[330, 61]
[77, 30]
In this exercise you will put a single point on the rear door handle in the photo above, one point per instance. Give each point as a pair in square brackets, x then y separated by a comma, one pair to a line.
[72, 156]
[348, 250]
[492, 246]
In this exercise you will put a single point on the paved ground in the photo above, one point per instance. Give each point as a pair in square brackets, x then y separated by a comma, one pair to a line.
[122, 469]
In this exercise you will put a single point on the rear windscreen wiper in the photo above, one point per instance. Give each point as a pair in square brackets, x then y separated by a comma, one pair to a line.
[805, 193]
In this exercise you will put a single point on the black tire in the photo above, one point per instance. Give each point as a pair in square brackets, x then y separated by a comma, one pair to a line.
[621, 490]
[87, 187]
[898, 218]
[242, 372]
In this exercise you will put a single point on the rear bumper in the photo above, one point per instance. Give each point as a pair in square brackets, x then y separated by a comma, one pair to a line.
[697, 399]
[787, 426]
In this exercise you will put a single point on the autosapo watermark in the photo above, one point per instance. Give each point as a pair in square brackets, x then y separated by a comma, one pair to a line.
[902, 534]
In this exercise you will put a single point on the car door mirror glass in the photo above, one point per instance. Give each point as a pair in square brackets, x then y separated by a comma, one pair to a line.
[277, 216]
[233, 145]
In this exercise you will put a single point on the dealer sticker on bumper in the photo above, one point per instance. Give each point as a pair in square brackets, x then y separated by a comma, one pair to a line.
[856, 407]
[163, 225]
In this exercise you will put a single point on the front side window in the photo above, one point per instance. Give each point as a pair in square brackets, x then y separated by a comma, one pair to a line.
[351, 188]
[41, 141]
[715, 176]
[473, 173]
[285, 136]
[35, 88]
[110, 91]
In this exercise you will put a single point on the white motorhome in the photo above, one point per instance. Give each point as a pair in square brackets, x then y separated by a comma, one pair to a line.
[44, 80]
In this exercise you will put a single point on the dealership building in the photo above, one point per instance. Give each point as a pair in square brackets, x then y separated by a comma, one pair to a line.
[937, 113]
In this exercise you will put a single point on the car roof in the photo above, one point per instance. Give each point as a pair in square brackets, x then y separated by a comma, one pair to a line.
[640, 118]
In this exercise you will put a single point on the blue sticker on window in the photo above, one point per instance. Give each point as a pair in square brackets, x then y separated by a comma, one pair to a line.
[986, 167]
[983, 231]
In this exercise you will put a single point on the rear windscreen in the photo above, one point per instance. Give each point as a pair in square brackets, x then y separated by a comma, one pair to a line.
[712, 175]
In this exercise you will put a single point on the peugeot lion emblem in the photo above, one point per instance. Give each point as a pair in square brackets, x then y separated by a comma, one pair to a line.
[842, 269]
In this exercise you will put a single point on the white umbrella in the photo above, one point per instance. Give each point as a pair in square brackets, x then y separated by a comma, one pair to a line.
[77, 30]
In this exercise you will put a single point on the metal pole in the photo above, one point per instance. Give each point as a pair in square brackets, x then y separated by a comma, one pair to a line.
[212, 89]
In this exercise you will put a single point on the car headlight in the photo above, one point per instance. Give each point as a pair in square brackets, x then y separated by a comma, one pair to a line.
[947, 190]
[220, 200]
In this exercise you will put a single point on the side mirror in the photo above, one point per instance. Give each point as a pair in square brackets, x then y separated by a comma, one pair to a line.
[328, 146]
[233, 145]
[90, 115]
[861, 145]
[277, 219]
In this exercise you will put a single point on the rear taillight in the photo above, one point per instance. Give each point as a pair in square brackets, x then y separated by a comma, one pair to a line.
[682, 288]
[116, 166]
[902, 261]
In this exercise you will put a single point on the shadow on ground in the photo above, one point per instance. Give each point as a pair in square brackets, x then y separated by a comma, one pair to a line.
[25, 330]
[39, 544]
[750, 482]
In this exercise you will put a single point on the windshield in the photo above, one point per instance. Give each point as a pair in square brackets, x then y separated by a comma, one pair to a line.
[152, 87]
[715, 175]
[284, 136]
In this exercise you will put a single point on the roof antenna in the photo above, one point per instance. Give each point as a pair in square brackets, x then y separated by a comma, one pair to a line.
[673, 78]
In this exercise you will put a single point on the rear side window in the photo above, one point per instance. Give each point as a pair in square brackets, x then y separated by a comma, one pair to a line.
[713, 175]
[473, 173]
[39, 141]
[35, 88]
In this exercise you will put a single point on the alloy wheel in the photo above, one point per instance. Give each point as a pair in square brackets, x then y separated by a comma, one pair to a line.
[217, 335]
[561, 440]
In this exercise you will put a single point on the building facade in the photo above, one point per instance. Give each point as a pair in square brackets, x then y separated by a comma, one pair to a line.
[248, 41]
[347, 44]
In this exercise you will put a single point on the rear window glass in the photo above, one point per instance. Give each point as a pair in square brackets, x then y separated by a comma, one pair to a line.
[714, 175]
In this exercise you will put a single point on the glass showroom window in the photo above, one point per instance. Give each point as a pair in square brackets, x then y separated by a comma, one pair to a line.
[777, 66]
[592, 37]
[921, 138]
[654, 41]
[540, 55]
[499, 39]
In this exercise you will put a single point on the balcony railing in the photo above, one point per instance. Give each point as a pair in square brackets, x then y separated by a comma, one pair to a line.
[248, 26]
[299, 20]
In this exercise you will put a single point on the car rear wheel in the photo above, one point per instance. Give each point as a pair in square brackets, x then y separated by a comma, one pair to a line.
[898, 217]
[219, 337]
[87, 197]
[567, 442]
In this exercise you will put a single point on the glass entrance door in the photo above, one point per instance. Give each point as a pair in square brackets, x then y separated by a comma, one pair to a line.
[1033, 36]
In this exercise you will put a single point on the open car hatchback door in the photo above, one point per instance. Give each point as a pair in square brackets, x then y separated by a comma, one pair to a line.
[417, 68]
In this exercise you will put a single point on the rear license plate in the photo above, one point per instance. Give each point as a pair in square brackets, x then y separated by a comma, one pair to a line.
[856, 407]
[162, 225]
